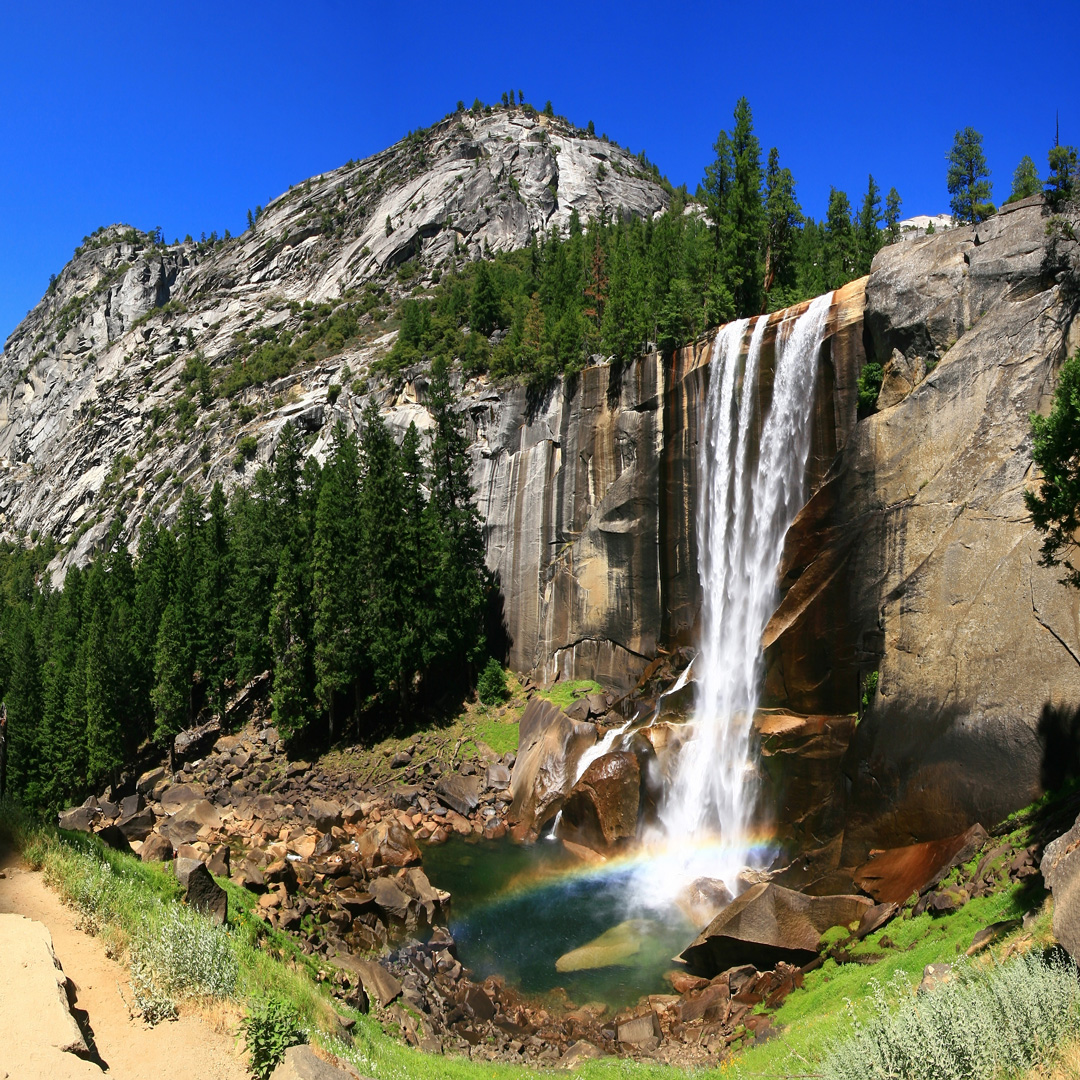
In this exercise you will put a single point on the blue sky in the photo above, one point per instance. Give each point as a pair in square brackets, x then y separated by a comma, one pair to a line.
[184, 115]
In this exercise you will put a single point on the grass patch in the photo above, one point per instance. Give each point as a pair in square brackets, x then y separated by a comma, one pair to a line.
[564, 694]
[498, 733]
[814, 1016]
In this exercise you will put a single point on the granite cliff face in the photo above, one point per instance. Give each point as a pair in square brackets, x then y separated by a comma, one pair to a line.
[917, 557]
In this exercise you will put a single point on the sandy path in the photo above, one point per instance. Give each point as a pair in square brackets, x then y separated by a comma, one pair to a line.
[185, 1049]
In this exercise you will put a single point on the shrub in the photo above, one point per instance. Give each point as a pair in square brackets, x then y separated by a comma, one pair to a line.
[332, 392]
[247, 447]
[270, 1027]
[980, 1025]
[491, 686]
[869, 387]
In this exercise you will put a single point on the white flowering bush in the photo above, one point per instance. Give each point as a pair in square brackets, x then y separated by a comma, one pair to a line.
[979, 1026]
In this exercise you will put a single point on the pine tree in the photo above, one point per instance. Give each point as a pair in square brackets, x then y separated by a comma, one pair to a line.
[892, 215]
[840, 251]
[380, 509]
[783, 218]
[64, 742]
[869, 239]
[461, 573]
[968, 178]
[1064, 172]
[171, 695]
[484, 309]
[1025, 181]
[104, 739]
[337, 638]
[213, 599]
[288, 634]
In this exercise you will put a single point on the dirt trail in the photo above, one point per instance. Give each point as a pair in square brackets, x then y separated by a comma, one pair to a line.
[185, 1049]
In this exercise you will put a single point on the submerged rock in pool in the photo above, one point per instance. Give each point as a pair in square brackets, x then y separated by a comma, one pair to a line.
[612, 948]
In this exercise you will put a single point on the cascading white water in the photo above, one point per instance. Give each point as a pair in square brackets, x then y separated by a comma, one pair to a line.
[750, 493]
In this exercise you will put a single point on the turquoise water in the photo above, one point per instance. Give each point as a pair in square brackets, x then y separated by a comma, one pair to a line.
[516, 909]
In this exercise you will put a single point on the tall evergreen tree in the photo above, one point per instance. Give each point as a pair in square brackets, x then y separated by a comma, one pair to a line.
[892, 215]
[336, 577]
[968, 178]
[869, 239]
[840, 242]
[1025, 181]
[213, 599]
[783, 218]
[461, 573]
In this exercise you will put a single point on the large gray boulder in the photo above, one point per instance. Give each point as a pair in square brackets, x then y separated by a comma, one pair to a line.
[1060, 867]
[768, 924]
[550, 745]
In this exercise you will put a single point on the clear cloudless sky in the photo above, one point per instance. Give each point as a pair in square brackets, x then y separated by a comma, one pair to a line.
[184, 115]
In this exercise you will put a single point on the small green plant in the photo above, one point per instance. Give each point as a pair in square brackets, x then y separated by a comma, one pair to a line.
[869, 688]
[270, 1027]
[491, 686]
[247, 447]
[333, 391]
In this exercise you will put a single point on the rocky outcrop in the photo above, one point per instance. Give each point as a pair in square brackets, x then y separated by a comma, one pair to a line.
[550, 745]
[916, 557]
[38, 1032]
[602, 808]
[768, 924]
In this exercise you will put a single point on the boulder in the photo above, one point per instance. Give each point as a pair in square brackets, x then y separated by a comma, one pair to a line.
[391, 899]
[704, 899]
[643, 1032]
[178, 795]
[131, 804]
[249, 876]
[577, 1052]
[377, 981]
[893, 876]
[195, 742]
[613, 948]
[218, 863]
[156, 848]
[388, 844]
[550, 745]
[80, 819]
[1060, 868]
[201, 891]
[497, 777]
[149, 780]
[302, 1063]
[115, 838]
[183, 827]
[601, 810]
[138, 825]
[460, 793]
[768, 924]
[325, 814]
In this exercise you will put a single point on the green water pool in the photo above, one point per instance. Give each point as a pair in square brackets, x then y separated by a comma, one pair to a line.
[516, 909]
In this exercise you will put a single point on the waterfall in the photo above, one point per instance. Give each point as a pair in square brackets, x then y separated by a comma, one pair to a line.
[750, 491]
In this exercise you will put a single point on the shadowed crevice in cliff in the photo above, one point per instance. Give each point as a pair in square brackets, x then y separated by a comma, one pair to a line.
[1059, 732]
[496, 630]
